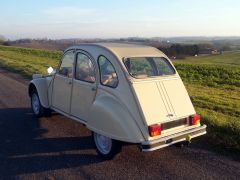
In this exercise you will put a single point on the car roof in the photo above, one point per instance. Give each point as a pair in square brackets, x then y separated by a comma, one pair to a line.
[122, 50]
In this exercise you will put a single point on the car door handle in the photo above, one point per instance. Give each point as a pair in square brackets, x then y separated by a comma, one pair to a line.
[93, 89]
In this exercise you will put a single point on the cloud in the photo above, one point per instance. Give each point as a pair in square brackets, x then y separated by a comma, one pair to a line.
[68, 12]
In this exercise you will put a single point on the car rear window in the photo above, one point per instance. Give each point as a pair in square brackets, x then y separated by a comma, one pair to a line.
[143, 67]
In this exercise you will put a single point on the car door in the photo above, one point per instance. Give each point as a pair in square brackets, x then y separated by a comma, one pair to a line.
[84, 86]
[62, 85]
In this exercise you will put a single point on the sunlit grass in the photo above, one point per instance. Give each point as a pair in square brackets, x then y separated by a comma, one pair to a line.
[226, 58]
[27, 63]
[220, 110]
[213, 83]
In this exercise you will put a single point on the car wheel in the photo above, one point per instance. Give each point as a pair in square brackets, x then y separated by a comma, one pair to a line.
[37, 108]
[106, 147]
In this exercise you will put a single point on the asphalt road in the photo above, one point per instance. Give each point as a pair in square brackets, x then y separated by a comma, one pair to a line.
[59, 148]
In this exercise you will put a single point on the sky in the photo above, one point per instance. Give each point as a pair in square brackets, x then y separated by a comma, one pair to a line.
[57, 19]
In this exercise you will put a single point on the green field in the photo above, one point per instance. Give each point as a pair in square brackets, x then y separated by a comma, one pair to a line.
[27, 61]
[212, 81]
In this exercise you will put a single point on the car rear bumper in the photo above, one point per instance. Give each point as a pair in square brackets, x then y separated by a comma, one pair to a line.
[172, 139]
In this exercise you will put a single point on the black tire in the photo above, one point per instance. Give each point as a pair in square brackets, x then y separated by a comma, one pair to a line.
[40, 111]
[115, 148]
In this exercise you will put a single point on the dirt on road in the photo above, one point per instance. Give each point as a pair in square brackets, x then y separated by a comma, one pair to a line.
[60, 148]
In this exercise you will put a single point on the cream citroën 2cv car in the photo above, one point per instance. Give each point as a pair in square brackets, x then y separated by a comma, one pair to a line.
[122, 93]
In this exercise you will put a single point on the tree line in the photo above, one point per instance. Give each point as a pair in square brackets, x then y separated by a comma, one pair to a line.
[177, 50]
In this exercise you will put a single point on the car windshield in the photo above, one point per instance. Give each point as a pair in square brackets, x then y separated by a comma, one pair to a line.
[143, 67]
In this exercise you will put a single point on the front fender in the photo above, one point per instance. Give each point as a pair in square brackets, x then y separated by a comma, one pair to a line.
[110, 118]
[41, 85]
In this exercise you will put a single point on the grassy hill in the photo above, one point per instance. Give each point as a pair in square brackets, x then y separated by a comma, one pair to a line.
[212, 81]
[28, 61]
[231, 58]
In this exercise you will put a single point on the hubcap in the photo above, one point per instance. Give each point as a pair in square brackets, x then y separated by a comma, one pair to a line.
[35, 103]
[103, 143]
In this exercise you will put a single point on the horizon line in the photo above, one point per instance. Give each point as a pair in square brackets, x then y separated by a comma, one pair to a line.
[117, 38]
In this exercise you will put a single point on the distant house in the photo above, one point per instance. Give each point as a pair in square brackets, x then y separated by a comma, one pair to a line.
[207, 51]
[215, 51]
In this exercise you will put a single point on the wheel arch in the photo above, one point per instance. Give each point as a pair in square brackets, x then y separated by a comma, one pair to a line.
[40, 86]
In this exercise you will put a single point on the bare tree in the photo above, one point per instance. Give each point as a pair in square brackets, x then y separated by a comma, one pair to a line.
[2, 39]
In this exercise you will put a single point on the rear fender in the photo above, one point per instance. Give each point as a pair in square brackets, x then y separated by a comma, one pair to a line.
[110, 118]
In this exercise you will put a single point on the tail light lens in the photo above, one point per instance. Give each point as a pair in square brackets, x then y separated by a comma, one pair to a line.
[195, 120]
[155, 130]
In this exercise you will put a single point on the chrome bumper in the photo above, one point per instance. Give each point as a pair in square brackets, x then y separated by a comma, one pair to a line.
[172, 139]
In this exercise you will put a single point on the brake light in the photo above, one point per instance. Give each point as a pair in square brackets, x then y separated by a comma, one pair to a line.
[195, 120]
[155, 130]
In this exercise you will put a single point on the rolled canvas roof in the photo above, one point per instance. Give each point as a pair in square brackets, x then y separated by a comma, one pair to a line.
[122, 50]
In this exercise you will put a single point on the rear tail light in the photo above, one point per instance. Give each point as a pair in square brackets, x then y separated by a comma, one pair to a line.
[155, 130]
[195, 120]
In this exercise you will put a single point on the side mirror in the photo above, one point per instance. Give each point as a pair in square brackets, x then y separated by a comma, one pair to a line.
[51, 71]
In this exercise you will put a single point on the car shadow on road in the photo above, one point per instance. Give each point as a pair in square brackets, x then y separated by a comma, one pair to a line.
[23, 149]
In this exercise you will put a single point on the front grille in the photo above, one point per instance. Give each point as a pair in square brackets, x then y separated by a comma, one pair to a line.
[173, 124]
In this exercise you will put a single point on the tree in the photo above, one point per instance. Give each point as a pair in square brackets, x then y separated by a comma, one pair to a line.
[2, 39]
[180, 50]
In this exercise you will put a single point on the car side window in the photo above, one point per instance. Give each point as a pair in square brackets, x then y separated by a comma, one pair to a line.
[85, 69]
[108, 75]
[66, 68]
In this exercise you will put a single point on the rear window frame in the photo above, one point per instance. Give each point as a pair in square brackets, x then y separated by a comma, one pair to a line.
[100, 75]
[150, 77]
